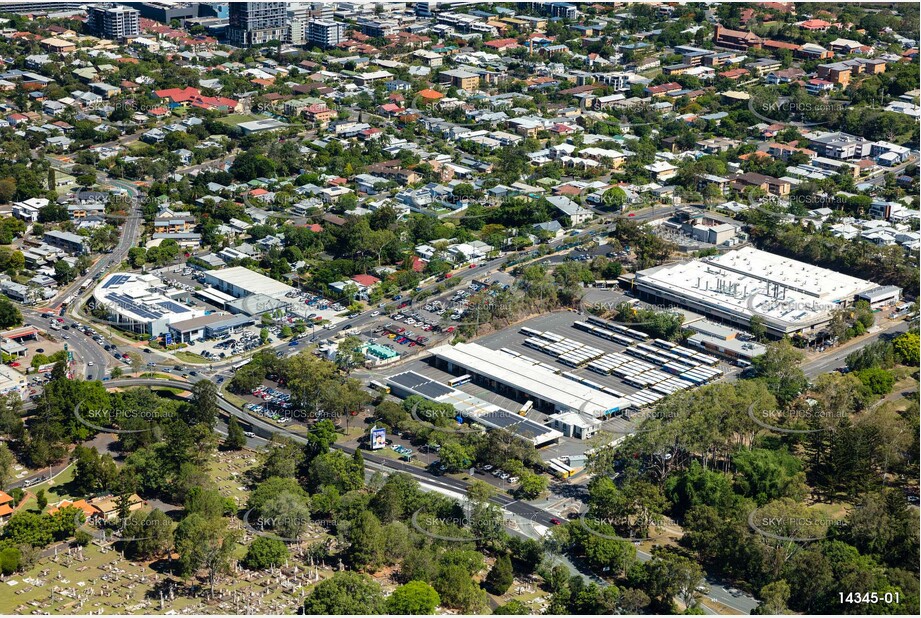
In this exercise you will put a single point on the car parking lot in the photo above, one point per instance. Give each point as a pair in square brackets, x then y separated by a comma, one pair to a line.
[271, 402]
[315, 308]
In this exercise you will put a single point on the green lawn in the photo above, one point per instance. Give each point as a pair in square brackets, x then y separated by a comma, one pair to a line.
[191, 357]
[235, 119]
[55, 489]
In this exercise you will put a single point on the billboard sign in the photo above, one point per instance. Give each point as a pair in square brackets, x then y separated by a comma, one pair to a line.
[378, 438]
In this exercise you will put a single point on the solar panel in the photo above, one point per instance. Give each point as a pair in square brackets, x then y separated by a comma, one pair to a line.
[174, 307]
[140, 310]
[433, 390]
[409, 379]
[116, 280]
[523, 427]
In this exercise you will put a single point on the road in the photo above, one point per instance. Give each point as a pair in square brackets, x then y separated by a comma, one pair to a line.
[880, 178]
[265, 430]
[835, 358]
[126, 240]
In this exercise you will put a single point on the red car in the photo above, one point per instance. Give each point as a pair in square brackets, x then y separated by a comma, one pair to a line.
[555, 521]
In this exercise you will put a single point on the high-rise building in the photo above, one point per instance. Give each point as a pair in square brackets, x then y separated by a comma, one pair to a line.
[114, 22]
[323, 10]
[298, 16]
[325, 33]
[257, 23]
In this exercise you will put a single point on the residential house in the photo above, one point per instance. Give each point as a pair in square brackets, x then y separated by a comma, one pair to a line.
[577, 214]
[768, 184]
[661, 170]
[736, 39]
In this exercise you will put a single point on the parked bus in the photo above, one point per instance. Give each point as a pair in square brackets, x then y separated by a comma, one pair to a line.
[379, 386]
[526, 407]
[458, 381]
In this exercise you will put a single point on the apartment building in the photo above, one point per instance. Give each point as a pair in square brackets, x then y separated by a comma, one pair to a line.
[325, 33]
[114, 22]
[257, 23]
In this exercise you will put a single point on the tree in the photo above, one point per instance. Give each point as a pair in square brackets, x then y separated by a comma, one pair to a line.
[204, 404]
[204, 543]
[500, 577]
[93, 472]
[287, 514]
[272, 488]
[265, 552]
[757, 327]
[365, 541]
[458, 590]
[614, 198]
[907, 348]
[766, 475]
[532, 485]
[512, 608]
[774, 597]
[64, 272]
[9, 560]
[206, 502]
[345, 593]
[670, 575]
[137, 256]
[41, 500]
[414, 598]
[236, 439]
[779, 367]
[879, 381]
[7, 461]
[151, 534]
[335, 469]
[454, 456]
[349, 354]
[9, 313]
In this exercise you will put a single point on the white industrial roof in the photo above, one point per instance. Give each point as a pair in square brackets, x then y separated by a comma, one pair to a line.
[812, 280]
[523, 375]
[250, 281]
[748, 282]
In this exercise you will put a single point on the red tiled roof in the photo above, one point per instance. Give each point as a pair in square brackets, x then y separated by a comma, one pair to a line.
[193, 97]
[366, 280]
[815, 24]
[502, 43]
[428, 93]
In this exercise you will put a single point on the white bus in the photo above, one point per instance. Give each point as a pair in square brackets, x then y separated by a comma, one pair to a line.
[379, 386]
[526, 407]
[459, 380]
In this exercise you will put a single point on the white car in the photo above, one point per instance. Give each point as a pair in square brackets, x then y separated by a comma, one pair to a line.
[374, 314]
[89, 364]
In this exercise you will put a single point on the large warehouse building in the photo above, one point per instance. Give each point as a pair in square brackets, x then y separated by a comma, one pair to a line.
[472, 408]
[790, 297]
[239, 282]
[140, 303]
[254, 293]
[522, 380]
